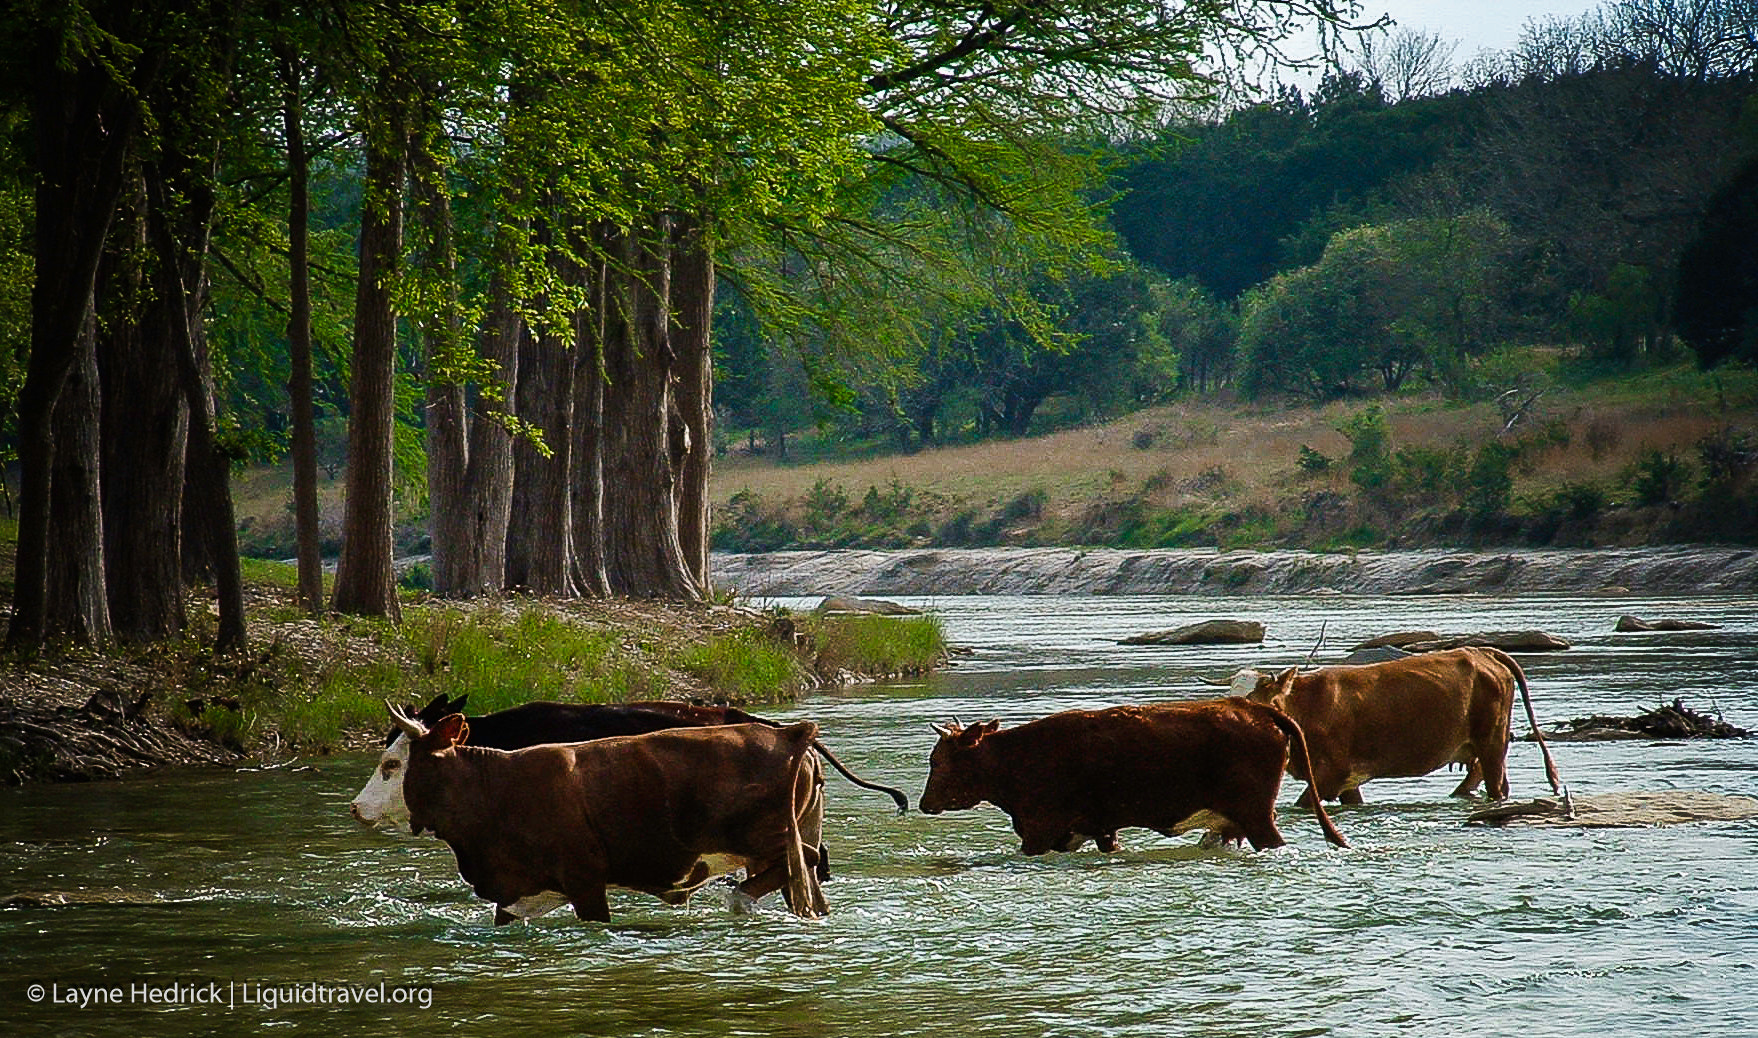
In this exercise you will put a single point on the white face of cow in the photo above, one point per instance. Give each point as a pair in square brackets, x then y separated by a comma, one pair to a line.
[381, 800]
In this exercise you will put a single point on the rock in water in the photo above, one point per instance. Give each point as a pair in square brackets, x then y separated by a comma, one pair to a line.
[1209, 632]
[1621, 810]
[1628, 624]
[845, 604]
[1507, 641]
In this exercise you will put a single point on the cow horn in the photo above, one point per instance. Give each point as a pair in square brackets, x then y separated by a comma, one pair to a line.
[410, 727]
[1217, 682]
[941, 730]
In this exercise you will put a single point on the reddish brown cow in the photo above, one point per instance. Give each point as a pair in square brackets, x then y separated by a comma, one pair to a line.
[1403, 717]
[660, 813]
[1084, 774]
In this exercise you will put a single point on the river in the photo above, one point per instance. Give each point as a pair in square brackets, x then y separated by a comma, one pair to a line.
[256, 888]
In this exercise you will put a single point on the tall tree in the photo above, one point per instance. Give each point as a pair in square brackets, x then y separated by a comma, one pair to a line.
[365, 581]
[84, 78]
[299, 383]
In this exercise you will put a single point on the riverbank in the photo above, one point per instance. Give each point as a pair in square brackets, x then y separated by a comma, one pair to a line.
[307, 686]
[1109, 571]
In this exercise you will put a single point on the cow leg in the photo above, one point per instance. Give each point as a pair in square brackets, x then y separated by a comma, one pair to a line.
[765, 880]
[1106, 842]
[1260, 828]
[822, 864]
[1473, 775]
[590, 904]
[1350, 796]
[1495, 774]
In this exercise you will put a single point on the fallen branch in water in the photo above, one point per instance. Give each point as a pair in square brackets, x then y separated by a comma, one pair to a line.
[1674, 721]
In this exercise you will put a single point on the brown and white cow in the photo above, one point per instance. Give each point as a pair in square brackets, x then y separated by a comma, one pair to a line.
[1084, 774]
[1403, 717]
[660, 813]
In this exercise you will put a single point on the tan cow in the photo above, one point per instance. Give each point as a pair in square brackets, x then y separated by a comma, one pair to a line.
[1402, 718]
[660, 813]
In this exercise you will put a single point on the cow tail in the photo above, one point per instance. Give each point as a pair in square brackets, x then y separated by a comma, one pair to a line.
[1513, 665]
[1297, 742]
[903, 802]
[804, 895]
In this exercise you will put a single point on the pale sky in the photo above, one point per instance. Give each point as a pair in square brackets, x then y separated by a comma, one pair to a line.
[1476, 25]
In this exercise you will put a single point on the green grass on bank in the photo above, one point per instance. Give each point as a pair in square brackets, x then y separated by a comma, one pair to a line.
[501, 654]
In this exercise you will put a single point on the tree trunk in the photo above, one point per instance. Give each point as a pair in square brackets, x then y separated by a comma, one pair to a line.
[540, 554]
[365, 582]
[587, 482]
[82, 125]
[447, 460]
[643, 555]
[488, 477]
[692, 315]
[144, 431]
[77, 605]
[299, 391]
[180, 232]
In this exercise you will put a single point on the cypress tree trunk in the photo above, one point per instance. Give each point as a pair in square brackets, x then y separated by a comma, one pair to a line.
[447, 461]
[180, 231]
[643, 556]
[77, 605]
[143, 436]
[299, 391]
[365, 582]
[692, 315]
[540, 554]
[587, 481]
[82, 125]
[487, 502]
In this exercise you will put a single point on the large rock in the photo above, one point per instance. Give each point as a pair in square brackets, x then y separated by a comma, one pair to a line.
[1209, 632]
[845, 604]
[1507, 641]
[1628, 623]
[1375, 654]
[1397, 640]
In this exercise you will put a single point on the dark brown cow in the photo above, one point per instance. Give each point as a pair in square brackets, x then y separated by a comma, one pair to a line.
[660, 813]
[1084, 774]
[1403, 717]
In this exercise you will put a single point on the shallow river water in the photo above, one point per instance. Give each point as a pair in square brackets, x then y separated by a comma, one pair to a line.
[255, 888]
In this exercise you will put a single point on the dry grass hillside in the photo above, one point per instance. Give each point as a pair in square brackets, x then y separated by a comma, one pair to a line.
[1231, 473]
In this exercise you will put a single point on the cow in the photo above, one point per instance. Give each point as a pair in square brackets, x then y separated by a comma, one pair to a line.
[536, 722]
[661, 813]
[1084, 774]
[1403, 717]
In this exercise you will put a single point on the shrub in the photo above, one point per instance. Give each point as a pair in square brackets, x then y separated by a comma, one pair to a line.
[824, 504]
[1489, 482]
[1658, 477]
[1029, 505]
[1727, 456]
[1312, 462]
[1424, 473]
[1370, 447]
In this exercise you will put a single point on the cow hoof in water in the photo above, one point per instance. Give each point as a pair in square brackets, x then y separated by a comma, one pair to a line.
[740, 903]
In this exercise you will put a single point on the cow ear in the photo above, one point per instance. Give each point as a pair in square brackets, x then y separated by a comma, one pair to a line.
[451, 730]
[1286, 678]
[976, 733]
